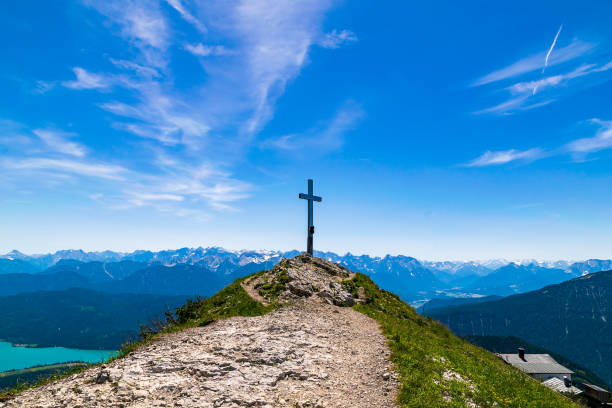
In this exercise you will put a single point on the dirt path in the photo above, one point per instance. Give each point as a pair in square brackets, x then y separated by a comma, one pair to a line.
[306, 355]
[249, 287]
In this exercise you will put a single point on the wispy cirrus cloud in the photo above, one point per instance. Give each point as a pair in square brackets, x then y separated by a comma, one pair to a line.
[142, 23]
[78, 168]
[328, 136]
[490, 158]
[578, 67]
[534, 62]
[336, 38]
[276, 38]
[33, 152]
[87, 80]
[578, 149]
[179, 188]
[187, 16]
[524, 96]
[530, 87]
[202, 50]
[164, 119]
[142, 199]
[138, 69]
[602, 139]
[60, 141]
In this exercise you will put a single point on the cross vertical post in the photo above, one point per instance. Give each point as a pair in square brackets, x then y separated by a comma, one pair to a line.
[310, 197]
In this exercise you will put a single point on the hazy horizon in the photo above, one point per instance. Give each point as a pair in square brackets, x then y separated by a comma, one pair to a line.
[242, 250]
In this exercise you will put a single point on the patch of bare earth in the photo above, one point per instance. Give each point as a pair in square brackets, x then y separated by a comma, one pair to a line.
[308, 354]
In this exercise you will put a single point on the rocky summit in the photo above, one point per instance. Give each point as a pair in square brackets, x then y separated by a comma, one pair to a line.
[311, 351]
[303, 277]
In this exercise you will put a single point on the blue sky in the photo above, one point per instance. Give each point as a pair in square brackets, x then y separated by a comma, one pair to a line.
[441, 130]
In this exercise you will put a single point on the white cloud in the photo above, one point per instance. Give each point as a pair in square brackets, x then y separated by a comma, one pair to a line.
[142, 23]
[161, 118]
[87, 80]
[525, 92]
[324, 138]
[104, 171]
[141, 199]
[141, 70]
[277, 36]
[43, 87]
[502, 157]
[570, 52]
[185, 185]
[578, 148]
[169, 136]
[187, 16]
[202, 50]
[602, 140]
[555, 80]
[335, 39]
[58, 141]
[505, 106]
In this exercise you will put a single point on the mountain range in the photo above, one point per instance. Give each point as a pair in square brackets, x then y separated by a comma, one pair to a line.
[412, 279]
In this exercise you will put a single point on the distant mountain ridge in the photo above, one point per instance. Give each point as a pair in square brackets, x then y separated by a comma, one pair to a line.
[178, 279]
[411, 278]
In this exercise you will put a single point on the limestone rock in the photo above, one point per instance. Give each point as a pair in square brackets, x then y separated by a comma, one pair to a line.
[303, 277]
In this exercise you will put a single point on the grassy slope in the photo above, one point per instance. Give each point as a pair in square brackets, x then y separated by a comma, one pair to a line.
[423, 349]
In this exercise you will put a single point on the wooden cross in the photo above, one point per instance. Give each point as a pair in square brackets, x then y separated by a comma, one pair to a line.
[311, 198]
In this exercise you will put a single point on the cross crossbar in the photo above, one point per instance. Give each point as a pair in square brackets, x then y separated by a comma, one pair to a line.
[310, 197]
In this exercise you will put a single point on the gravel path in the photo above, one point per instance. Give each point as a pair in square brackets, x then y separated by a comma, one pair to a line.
[310, 354]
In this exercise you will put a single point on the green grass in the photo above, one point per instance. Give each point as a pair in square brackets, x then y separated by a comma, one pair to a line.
[275, 281]
[230, 301]
[423, 349]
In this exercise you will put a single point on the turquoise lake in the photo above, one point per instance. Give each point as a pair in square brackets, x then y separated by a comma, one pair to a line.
[15, 358]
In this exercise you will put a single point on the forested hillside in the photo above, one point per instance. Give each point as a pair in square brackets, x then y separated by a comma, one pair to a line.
[571, 318]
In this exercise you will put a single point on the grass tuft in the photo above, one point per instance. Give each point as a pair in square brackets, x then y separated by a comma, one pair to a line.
[275, 282]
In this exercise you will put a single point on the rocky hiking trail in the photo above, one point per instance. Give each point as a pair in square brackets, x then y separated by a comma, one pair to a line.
[312, 352]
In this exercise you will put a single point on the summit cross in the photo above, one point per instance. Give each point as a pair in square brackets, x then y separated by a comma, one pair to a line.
[311, 198]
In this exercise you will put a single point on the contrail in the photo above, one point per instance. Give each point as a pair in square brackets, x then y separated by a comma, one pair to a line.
[551, 48]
